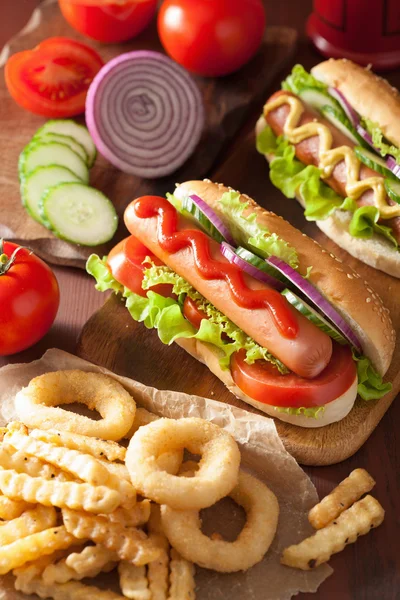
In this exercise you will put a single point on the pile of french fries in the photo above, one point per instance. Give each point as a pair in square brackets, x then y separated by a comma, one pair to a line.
[340, 518]
[70, 512]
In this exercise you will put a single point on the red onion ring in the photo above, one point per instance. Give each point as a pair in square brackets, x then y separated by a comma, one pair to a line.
[317, 299]
[229, 253]
[144, 113]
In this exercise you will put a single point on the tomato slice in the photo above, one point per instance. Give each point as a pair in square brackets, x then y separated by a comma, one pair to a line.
[192, 313]
[126, 265]
[52, 80]
[263, 382]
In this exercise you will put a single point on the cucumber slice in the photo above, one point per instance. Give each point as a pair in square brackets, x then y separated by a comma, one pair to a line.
[37, 154]
[313, 316]
[37, 182]
[341, 122]
[78, 132]
[258, 262]
[318, 99]
[393, 190]
[375, 162]
[191, 210]
[64, 139]
[79, 214]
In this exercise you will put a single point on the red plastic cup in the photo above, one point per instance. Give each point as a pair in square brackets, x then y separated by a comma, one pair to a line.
[367, 33]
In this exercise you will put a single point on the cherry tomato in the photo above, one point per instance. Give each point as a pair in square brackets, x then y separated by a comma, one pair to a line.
[29, 298]
[263, 382]
[52, 80]
[108, 21]
[192, 313]
[126, 265]
[211, 37]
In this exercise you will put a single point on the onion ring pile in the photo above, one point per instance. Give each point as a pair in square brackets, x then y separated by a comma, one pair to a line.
[36, 404]
[218, 468]
[183, 529]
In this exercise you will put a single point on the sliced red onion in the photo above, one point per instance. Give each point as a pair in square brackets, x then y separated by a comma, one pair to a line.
[319, 301]
[250, 269]
[392, 165]
[145, 113]
[213, 218]
[348, 109]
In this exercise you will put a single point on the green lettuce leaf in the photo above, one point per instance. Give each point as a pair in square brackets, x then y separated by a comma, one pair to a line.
[314, 412]
[370, 384]
[299, 79]
[379, 140]
[249, 233]
[288, 174]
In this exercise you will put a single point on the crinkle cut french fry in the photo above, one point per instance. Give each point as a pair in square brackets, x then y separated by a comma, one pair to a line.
[133, 581]
[21, 463]
[181, 578]
[353, 522]
[142, 417]
[75, 441]
[60, 572]
[31, 521]
[73, 590]
[83, 466]
[133, 517]
[11, 509]
[33, 547]
[158, 570]
[91, 557]
[19, 486]
[129, 543]
[115, 468]
[358, 483]
[36, 567]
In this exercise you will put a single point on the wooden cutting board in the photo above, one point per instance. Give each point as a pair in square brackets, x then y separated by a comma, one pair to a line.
[227, 101]
[111, 338]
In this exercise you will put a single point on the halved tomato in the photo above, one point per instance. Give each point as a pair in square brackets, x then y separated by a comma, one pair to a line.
[263, 382]
[52, 80]
[126, 265]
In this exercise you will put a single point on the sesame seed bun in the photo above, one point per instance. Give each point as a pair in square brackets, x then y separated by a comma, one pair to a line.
[371, 96]
[353, 298]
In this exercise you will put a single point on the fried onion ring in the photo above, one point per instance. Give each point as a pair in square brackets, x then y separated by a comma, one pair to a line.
[36, 404]
[218, 468]
[183, 529]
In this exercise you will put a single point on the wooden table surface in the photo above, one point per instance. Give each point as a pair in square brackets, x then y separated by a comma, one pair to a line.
[367, 570]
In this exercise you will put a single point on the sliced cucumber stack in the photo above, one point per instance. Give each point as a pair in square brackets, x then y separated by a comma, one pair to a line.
[38, 154]
[312, 315]
[54, 171]
[36, 184]
[69, 128]
[258, 262]
[64, 139]
[80, 214]
[375, 162]
[393, 189]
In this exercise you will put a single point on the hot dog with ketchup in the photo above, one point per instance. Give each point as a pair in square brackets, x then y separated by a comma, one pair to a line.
[234, 286]
[331, 129]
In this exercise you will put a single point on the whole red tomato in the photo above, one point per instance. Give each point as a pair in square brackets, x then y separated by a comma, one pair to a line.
[29, 298]
[211, 37]
[107, 20]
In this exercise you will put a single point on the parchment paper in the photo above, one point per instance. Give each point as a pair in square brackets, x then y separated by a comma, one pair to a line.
[262, 454]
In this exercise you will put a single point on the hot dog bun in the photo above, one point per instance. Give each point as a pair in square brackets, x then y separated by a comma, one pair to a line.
[334, 411]
[353, 298]
[376, 251]
[371, 96]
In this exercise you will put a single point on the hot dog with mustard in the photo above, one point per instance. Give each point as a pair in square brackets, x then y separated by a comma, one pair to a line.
[330, 129]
